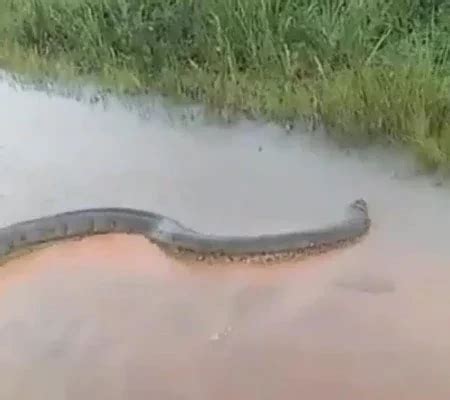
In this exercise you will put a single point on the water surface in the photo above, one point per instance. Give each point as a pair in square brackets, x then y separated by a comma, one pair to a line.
[113, 318]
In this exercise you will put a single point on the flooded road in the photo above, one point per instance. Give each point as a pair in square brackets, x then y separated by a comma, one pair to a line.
[113, 318]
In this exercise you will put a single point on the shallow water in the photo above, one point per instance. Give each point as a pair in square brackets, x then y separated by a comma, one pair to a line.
[113, 318]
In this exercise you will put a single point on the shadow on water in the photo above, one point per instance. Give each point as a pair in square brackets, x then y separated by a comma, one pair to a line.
[113, 318]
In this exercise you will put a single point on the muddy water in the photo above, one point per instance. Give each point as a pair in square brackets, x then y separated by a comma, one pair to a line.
[113, 318]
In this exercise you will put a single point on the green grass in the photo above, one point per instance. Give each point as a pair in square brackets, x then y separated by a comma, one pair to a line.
[370, 70]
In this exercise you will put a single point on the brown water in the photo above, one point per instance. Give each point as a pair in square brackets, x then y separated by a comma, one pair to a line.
[113, 318]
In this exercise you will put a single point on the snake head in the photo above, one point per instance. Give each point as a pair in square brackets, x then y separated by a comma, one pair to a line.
[360, 205]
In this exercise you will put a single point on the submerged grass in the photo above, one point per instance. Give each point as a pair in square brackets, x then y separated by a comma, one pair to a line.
[370, 70]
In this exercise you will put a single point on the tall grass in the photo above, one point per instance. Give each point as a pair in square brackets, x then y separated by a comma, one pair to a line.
[377, 70]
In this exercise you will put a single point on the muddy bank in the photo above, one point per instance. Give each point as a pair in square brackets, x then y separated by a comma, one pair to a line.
[112, 317]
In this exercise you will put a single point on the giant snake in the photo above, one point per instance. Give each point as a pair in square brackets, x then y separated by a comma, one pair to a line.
[178, 240]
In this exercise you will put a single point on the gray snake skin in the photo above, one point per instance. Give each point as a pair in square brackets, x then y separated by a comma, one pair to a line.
[173, 237]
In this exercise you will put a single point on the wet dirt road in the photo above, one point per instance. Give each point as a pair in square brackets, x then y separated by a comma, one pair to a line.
[113, 318]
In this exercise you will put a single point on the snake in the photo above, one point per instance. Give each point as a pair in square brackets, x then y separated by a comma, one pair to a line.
[180, 241]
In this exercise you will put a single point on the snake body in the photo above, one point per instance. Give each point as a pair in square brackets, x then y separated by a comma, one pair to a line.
[172, 236]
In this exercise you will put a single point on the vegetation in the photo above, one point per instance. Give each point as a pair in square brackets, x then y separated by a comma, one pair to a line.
[372, 70]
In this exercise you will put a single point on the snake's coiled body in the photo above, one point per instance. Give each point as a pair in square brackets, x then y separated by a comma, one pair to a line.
[177, 239]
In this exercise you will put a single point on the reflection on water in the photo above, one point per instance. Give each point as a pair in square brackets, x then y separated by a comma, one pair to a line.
[113, 318]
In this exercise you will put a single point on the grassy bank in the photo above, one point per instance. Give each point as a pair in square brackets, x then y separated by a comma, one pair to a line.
[376, 69]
